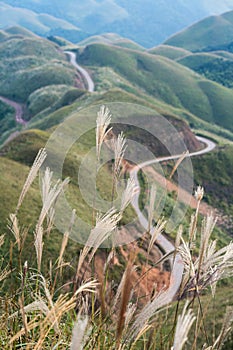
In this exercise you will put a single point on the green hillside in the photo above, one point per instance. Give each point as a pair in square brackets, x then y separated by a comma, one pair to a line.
[7, 118]
[165, 80]
[217, 182]
[171, 52]
[212, 66]
[206, 35]
[29, 63]
[196, 60]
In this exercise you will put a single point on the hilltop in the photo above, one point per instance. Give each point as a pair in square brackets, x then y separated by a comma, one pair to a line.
[211, 34]
[207, 47]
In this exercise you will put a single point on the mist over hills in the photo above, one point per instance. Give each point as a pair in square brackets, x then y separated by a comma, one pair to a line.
[40, 23]
[146, 22]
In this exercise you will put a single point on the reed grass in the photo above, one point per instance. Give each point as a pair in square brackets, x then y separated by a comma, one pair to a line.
[44, 311]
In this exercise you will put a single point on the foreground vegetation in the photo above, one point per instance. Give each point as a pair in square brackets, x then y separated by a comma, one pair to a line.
[93, 301]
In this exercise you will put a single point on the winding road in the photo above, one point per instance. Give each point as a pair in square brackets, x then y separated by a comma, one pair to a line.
[84, 72]
[18, 110]
[175, 262]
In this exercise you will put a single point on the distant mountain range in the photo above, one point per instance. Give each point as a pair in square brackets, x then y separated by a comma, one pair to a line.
[40, 23]
[147, 22]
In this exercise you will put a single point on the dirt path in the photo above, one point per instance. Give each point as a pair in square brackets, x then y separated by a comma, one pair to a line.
[176, 263]
[18, 110]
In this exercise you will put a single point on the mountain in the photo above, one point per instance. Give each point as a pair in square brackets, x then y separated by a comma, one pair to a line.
[211, 34]
[206, 47]
[42, 24]
[146, 22]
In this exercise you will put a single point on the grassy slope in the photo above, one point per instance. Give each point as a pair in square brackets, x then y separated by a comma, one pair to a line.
[113, 95]
[196, 60]
[34, 71]
[208, 33]
[171, 52]
[7, 118]
[165, 80]
[214, 67]
[217, 182]
[49, 98]
[29, 64]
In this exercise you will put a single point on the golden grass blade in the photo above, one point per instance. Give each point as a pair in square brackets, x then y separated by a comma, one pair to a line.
[102, 123]
[178, 162]
[151, 206]
[65, 241]
[2, 239]
[105, 225]
[155, 232]
[31, 176]
[119, 146]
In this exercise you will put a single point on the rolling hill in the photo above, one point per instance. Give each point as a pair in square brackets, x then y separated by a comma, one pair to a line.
[211, 34]
[35, 73]
[165, 80]
[213, 66]
[29, 63]
[211, 43]
[171, 52]
[111, 39]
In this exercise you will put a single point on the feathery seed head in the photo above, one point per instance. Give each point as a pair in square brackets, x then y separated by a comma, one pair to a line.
[199, 193]
[102, 123]
[184, 323]
[119, 146]
[128, 193]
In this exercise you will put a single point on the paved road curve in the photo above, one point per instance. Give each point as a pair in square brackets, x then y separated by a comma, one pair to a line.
[85, 74]
[167, 246]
